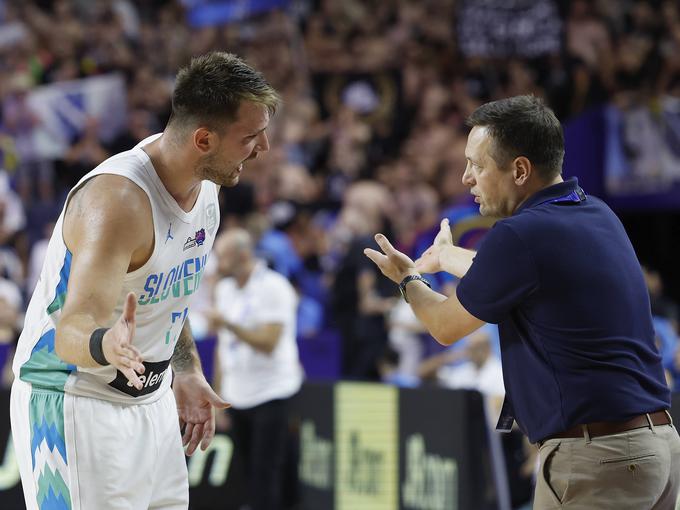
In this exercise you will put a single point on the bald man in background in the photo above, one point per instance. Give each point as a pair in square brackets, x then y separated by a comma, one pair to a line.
[257, 363]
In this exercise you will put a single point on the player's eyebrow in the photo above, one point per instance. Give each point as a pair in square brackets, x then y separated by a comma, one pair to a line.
[258, 132]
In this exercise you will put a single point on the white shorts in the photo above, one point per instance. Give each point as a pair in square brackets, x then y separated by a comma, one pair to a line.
[79, 453]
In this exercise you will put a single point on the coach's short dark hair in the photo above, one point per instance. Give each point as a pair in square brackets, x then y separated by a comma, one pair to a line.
[211, 88]
[523, 126]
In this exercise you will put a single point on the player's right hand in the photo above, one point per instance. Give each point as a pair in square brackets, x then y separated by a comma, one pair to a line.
[117, 344]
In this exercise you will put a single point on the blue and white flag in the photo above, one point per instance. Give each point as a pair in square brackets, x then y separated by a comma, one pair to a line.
[63, 109]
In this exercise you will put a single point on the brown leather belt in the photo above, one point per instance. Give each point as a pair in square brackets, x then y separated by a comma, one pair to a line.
[606, 428]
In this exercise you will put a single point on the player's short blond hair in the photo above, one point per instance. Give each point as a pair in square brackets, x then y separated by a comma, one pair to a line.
[211, 88]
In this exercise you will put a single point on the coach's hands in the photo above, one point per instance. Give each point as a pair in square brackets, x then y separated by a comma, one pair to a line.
[393, 263]
[196, 403]
[117, 344]
[430, 260]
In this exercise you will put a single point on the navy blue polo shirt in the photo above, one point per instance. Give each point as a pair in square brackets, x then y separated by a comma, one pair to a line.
[561, 279]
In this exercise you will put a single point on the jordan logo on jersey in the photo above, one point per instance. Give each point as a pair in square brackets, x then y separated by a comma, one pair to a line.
[168, 236]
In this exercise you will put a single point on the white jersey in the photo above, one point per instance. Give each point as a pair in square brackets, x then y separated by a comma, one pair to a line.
[251, 377]
[163, 285]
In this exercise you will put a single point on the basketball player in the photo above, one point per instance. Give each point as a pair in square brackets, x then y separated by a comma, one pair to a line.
[94, 423]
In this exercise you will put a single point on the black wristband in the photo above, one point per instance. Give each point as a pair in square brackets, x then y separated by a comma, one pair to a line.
[96, 351]
[410, 278]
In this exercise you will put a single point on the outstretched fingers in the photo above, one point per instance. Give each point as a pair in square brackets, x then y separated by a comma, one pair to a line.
[375, 256]
[385, 245]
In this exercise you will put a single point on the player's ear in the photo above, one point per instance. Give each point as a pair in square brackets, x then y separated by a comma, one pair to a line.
[205, 140]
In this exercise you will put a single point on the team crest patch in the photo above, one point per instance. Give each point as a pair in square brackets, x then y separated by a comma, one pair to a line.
[197, 240]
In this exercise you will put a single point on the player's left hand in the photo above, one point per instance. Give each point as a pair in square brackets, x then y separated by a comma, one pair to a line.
[196, 403]
[393, 264]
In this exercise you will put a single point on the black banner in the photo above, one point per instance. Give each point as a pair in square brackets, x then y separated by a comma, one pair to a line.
[313, 410]
[370, 445]
[216, 479]
[444, 457]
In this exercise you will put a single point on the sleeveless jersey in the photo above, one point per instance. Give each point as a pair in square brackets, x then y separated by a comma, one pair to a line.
[163, 286]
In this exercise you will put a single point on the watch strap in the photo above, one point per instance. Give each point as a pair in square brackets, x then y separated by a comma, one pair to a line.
[410, 278]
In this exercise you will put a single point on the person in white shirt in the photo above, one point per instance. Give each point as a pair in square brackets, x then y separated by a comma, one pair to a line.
[258, 368]
[11, 305]
[482, 371]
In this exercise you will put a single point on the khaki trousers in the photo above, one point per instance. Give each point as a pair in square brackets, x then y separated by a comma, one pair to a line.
[634, 470]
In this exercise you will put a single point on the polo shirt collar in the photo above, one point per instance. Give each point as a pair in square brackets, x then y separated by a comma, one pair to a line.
[568, 190]
[259, 266]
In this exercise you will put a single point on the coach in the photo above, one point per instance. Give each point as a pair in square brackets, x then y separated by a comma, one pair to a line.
[559, 276]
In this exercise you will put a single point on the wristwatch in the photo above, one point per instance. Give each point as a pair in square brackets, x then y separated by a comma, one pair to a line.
[410, 278]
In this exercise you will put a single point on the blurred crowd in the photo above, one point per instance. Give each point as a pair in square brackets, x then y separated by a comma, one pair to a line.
[370, 136]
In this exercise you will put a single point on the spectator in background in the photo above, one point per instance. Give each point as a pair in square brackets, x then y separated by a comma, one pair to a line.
[19, 122]
[674, 371]
[12, 238]
[405, 337]
[258, 369]
[388, 366]
[140, 124]
[360, 296]
[665, 320]
[37, 258]
[86, 153]
[12, 216]
[482, 372]
[661, 305]
[11, 306]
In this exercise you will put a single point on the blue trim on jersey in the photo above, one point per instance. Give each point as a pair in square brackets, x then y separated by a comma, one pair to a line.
[64, 273]
[44, 368]
[47, 341]
[62, 286]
